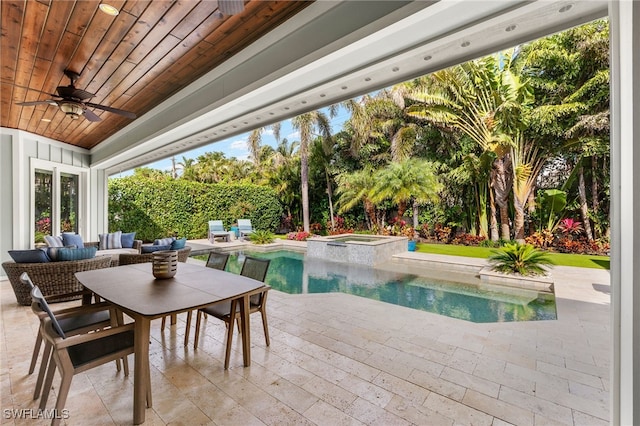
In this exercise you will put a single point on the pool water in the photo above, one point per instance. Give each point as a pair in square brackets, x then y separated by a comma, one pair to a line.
[294, 273]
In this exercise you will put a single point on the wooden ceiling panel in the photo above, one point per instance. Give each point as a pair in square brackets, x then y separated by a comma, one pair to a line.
[133, 61]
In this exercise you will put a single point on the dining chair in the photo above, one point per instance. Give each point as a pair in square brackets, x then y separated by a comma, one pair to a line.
[77, 320]
[216, 260]
[227, 311]
[73, 354]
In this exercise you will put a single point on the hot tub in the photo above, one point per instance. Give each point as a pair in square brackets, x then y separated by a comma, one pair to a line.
[356, 249]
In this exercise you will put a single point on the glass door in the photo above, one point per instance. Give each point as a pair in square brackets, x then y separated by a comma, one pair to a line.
[58, 199]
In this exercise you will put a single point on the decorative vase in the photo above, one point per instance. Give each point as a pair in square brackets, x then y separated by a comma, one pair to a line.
[165, 264]
[412, 245]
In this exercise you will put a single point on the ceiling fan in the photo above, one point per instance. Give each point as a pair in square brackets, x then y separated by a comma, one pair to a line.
[73, 101]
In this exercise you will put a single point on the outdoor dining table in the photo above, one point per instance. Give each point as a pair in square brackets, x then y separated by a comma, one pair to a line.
[135, 291]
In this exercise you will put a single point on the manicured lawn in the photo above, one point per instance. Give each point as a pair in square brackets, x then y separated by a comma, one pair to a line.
[562, 259]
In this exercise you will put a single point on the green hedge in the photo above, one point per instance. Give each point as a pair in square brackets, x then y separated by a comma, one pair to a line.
[156, 208]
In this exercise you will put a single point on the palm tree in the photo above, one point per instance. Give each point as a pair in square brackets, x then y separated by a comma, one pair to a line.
[484, 100]
[355, 188]
[305, 124]
[188, 168]
[402, 182]
[254, 141]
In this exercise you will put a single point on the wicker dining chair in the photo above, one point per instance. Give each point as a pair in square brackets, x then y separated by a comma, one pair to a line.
[227, 311]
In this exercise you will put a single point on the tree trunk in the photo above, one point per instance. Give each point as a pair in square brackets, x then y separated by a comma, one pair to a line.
[493, 220]
[330, 195]
[304, 178]
[415, 215]
[531, 208]
[595, 200]
[502, 184]
[584, 209]
[518, 221]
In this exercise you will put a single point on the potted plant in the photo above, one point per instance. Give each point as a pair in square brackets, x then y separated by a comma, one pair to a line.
[410, 233]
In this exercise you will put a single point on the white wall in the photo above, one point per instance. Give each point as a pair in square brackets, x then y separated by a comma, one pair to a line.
[17, 149]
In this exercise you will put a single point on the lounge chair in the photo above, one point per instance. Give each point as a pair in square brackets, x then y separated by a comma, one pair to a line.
[216, 230]
[244, 227]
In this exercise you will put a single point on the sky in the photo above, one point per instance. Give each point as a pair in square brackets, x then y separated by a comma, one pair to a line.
[236, 146]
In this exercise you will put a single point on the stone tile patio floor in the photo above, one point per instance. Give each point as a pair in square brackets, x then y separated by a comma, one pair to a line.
[337, 359]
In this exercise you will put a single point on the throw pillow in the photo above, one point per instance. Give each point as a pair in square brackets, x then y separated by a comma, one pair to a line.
[29, 256]
[111, 241]
[52, 252]
[127, 239]
[163, 241]
[53, 241]
[178, 244]
[151, 249]
[72, 239]
[76, 254]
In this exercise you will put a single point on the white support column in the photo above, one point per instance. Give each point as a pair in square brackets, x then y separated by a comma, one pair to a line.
[625, 211]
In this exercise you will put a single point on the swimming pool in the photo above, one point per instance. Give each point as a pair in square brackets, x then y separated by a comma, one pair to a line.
[294, 273]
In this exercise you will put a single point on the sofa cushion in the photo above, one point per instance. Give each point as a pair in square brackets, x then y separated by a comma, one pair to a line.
[29, 256]
[65, 254]
[126, 239]
[155, 247]
[72, 239]
[163, 241]
[178, 244]
[111, 241]
[54, 241]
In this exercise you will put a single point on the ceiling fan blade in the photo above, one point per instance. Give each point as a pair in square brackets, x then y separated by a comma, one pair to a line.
[72, 92]
[32, 103]
[91, 116]
[114, 110]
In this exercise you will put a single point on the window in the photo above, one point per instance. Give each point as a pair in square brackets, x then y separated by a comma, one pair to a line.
[57, 199]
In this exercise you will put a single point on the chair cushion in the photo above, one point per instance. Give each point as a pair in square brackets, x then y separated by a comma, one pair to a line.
[72, 239]
[163, 241]
[29, 256]
[53, 241]
[151, 249]
[76, 254]
[178, 244]
[112, 240]
[126, 239]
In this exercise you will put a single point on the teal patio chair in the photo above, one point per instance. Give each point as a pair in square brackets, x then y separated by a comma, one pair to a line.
[216, 230]
[244, 227]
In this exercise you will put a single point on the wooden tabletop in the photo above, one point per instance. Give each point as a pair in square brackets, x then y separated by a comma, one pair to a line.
[135, 289]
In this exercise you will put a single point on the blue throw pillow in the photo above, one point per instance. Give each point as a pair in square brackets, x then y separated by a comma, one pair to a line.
[77, 254]
[29, 256]
[71, 239]
[151, 249]
[52, 252]
[178, 244]
[163, 241]
[127, 239]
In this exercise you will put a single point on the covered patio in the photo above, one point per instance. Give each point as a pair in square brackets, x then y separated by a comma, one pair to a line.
[337, 356]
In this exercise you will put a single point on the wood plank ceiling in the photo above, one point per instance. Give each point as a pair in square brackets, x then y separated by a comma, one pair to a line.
[132, 61]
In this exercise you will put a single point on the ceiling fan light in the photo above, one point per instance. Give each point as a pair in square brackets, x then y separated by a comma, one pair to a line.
[71, 109]
[230, 7]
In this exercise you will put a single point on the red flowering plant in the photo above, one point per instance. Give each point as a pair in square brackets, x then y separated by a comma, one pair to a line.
[399, 227]
[299, 236]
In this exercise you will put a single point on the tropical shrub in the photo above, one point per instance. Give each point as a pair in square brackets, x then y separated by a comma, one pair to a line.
[523, 259]
[570, 227]
[540, 239]
[261, 237]
[468, 239]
